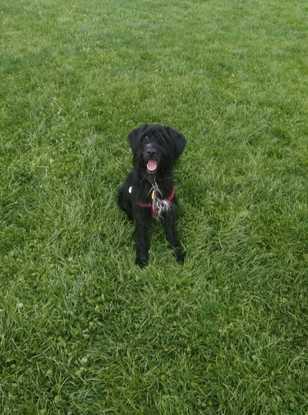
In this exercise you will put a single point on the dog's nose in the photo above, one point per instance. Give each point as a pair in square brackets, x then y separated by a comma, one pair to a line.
[150, 151]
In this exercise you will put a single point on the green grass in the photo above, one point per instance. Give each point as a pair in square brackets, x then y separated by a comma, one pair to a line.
[82, 330]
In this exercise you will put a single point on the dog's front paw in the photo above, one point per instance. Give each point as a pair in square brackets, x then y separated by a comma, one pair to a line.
[142, 261]
[180, 255]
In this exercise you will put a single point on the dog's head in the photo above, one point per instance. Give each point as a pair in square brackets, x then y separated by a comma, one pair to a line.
[155, 147]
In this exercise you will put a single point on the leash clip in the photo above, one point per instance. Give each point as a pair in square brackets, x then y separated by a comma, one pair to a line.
[159, 205]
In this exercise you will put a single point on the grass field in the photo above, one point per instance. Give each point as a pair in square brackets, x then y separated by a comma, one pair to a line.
[82, 329]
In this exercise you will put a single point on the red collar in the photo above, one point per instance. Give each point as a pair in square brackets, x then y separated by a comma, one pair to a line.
[170, 199]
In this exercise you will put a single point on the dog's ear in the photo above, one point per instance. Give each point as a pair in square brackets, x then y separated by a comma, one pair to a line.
[177, 141]
[135, 136]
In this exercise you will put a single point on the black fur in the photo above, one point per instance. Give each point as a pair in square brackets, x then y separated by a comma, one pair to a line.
[164, 145]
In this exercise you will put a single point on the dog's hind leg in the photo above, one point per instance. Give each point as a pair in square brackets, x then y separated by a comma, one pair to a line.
[124, 201]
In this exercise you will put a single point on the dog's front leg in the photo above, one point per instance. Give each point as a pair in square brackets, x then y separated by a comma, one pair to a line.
[142, 235]
[169, 223]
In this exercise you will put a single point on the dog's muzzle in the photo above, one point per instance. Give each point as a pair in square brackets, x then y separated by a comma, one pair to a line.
[151, 157]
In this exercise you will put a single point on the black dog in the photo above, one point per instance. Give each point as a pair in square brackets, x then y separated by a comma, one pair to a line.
[148, 191]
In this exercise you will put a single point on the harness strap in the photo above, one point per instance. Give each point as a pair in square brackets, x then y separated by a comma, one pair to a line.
[170, 199]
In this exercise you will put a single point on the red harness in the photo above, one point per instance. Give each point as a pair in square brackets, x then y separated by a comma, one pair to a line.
[154, 213]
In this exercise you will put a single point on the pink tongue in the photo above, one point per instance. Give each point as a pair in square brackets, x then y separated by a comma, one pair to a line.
[152, 165]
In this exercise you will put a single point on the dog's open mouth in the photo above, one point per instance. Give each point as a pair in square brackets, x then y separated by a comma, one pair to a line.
[152, 166]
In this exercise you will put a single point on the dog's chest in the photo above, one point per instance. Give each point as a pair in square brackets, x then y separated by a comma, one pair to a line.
[153, 198]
